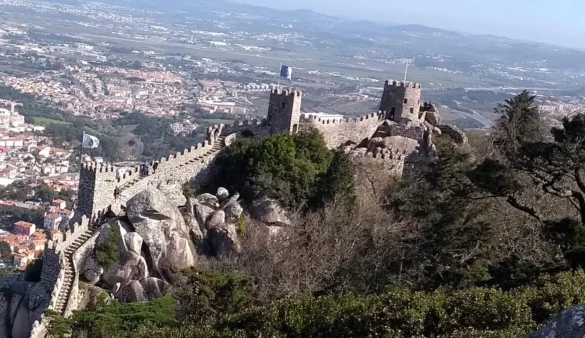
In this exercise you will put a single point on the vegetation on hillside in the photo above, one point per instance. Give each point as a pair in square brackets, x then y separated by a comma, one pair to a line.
[297, 170]
[487, 241]
[219, 305]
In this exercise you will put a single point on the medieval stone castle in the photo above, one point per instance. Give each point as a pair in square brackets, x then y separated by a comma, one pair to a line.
[398, 135]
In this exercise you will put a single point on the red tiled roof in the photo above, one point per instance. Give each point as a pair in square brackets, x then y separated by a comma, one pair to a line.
[24, 224]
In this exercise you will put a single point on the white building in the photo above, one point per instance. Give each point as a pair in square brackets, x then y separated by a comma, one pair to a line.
[52, 221]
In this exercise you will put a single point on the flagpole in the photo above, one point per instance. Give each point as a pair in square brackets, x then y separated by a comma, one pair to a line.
[278, 81]
[405, 71]
[81, 148]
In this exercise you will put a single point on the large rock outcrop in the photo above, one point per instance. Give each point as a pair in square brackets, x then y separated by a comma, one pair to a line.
[568, 324]
[21, 304]
[269, 211]
[216, 217]
[163, 229]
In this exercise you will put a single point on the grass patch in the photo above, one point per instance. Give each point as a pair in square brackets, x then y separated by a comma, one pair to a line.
[43, 121]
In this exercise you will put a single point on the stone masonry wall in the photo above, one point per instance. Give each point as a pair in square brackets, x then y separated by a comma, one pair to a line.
[259, 128]
[284, 110]
[337, 132]
[79, 258]
[104, 177]
[401, 101]
[392, 163]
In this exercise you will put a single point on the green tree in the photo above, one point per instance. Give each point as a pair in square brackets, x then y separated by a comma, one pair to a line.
[456, 240]
[5, 250]
[283, 167]
[336, 183]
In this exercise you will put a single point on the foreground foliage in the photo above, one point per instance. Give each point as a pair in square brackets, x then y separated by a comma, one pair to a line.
[397, 312]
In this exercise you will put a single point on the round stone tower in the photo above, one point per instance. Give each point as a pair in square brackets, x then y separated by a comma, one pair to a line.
[401, 101]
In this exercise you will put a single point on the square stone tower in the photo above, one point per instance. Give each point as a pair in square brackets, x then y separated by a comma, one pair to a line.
[401, 101]
[284, 110]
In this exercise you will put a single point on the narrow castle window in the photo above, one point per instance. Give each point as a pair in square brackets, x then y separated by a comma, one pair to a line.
[295, 128]
[283, 105]
[392, 112]
[412, 110]
[405, 100]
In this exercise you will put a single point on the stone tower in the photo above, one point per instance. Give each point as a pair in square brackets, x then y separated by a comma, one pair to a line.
[284, 110]
[401, 101]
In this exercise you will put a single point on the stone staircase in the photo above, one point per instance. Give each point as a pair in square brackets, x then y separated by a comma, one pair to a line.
[69, 277]
[217, 146]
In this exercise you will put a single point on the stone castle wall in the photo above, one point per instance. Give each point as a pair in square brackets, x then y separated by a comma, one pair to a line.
[99, 181]
[337, 132]
[391, 163]
[79, 258]
[401, 101]
[255, 128]
[284, 110]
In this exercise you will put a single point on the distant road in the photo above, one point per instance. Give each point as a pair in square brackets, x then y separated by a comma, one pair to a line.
[513, 88]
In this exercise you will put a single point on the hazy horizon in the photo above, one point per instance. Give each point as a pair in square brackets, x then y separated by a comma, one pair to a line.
[554, 22]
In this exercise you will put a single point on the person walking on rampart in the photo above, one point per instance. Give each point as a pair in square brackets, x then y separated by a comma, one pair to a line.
[154, 167]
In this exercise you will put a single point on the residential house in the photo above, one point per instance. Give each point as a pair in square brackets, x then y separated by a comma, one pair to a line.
[24, 228]
[59, 204]
[20, 260]
[52, 221]
[56, 236]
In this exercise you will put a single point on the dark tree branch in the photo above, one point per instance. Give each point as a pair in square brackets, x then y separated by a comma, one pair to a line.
[513, 201]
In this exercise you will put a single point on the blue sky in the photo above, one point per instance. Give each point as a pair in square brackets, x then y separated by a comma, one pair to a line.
[559, 22]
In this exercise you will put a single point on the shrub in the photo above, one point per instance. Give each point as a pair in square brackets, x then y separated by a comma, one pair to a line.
[295, 169]
[114, 320]
[242, 226]
[108, 252]
[216, 305]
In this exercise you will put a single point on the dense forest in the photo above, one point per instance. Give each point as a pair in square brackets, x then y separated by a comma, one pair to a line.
[486, 241]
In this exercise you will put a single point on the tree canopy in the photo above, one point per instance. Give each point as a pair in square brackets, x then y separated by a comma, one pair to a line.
[297, 170]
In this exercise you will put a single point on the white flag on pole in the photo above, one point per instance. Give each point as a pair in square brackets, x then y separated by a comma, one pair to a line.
[90, 141]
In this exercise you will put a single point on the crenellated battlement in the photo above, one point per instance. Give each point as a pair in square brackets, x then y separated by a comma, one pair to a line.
[337, 131]
[72, 234]
[391, 160]
[286, 92]
[98, 167]
[402, 84]
[320, 120]
[239, 126]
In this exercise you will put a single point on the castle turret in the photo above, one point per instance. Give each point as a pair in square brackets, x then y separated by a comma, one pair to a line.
[284, 110]
[401, 101]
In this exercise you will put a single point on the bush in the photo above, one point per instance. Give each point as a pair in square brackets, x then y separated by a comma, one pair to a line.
[108, 252]
[225, 308]
[241, 226]
[292, 169]
[208, 294]
[114, 320]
